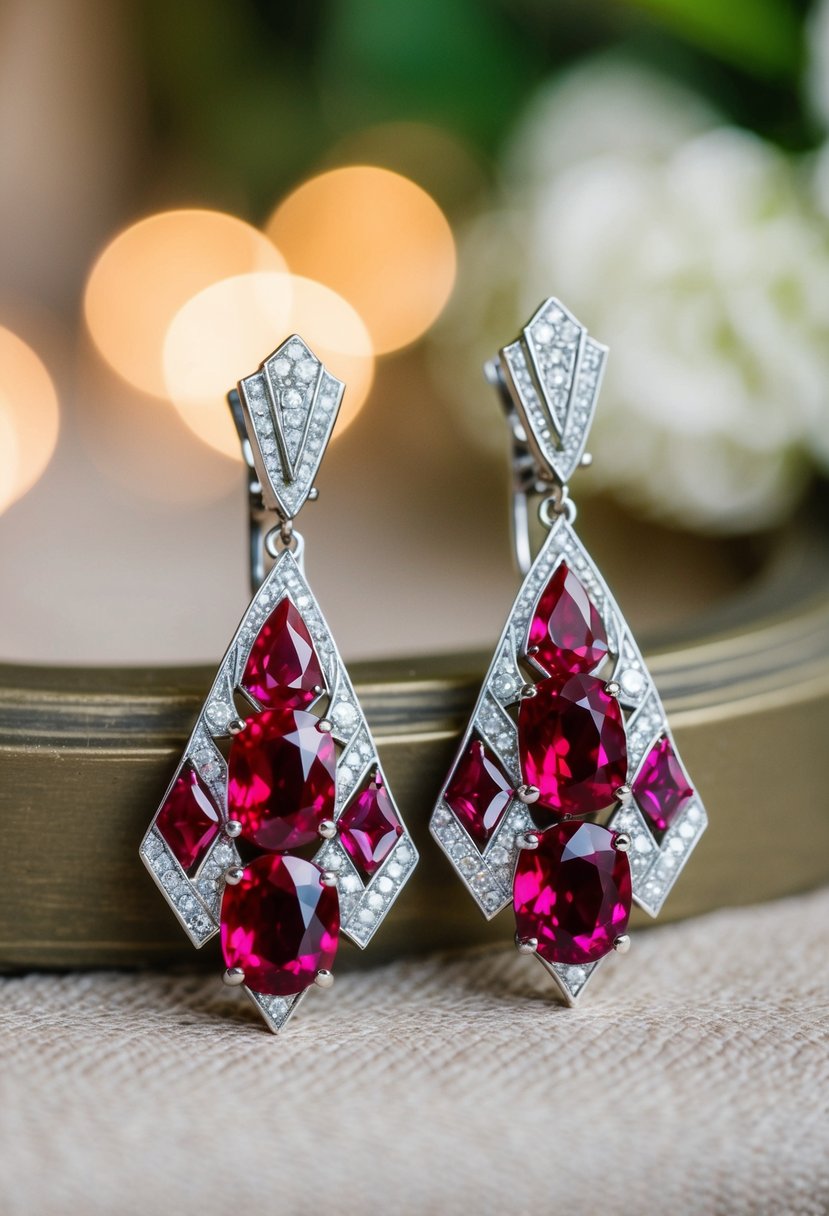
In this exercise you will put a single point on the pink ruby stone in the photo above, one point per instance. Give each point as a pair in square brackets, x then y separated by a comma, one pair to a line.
[188, 820]
[280, 924]
[478, 792]
[572, 893]
[571, 740]
[281, 778]
[567, 635]
[369, 828]
[283, 667]
[661, 788]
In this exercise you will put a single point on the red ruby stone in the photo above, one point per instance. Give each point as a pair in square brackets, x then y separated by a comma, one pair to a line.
[281, 778]
[661, 787]
[369, 828]
[478, 792]
[571, 740]
[280, 924]
[567, 635]
[283, 667]
[572, 893]
[188, 820]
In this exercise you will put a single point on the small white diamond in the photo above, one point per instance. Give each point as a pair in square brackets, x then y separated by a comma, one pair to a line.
[307, 369]
[292, 399]
[344, 714]
[375, 901]
[631, 681]
[403, 855]
[385, 885]
[282, 367]
[544, 333]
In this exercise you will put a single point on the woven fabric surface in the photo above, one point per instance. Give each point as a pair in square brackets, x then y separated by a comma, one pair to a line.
[693, 1079]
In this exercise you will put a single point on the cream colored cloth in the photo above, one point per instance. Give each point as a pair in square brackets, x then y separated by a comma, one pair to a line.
[693, 1079]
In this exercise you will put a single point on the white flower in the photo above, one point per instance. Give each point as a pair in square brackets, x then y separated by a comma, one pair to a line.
[695, 258]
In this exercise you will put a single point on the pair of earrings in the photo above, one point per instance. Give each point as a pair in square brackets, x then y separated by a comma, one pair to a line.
[279, 831]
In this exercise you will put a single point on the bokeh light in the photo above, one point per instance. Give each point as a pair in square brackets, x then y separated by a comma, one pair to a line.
[29, 419]
[224, 333]
[378, 240]
[144, 276]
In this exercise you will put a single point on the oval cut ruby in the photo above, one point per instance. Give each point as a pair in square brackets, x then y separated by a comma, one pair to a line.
[567, 635]
[281, 778]
[572, 893]
[283, 667]
[280, 924]
[571, 740]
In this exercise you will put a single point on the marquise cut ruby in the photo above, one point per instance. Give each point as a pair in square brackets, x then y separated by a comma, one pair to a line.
[283, 668]
[280, 924]
[661, 787]
[369, 828]
[572, 745]
[188, 820]
[281, 778]
[566, 634]
[572, 893]
[478, 792]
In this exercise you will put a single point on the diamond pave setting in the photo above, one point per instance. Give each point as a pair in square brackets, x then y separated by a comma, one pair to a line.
[278, 777]
[564, 619]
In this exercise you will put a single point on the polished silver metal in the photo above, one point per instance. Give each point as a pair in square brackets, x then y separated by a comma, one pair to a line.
[325, 725]
[621, 944]
[329, 878]
[328, 829]
[548, 383]
[324, 979]
[233, 828]
[526, 945]
[234, 875]
[235, 726]
[528, 794]
[233, 977]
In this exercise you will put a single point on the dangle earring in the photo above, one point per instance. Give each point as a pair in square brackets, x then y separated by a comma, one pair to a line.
[278, 829]
[567, 796]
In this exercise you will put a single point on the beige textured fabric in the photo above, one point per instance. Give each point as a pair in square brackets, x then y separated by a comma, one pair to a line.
[694, 1079]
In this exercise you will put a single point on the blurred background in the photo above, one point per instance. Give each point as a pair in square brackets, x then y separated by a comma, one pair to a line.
[184, 184]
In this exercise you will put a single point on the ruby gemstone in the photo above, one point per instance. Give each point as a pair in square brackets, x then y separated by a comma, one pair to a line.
[478, 792]
[572, 893]
[566, 635]
[188, 820]
[283, 668]
[369, 828]
[571, 740]
[281, 778]
[661, 787]
[280, 924]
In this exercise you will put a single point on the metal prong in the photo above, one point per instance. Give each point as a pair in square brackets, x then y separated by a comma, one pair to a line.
[234, 875]
[313, 494]
[233, 977]
[526, 945]
[318, 690]
[612, 688]
[328, 878]
[533, 650]
[623, 794]
[325, 725]
[327, 829]
[527, 691]
[528, 840]
[235, 726]
[233, 828]
[622, 842]
[622, 944]
[323, 978]
[586, 460]
[528, 794]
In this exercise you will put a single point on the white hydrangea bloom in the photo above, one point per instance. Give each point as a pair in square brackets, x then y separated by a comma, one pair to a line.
[690, 250]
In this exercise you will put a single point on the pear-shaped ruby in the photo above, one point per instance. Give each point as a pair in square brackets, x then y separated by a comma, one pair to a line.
[188, 820]
[572, 893]
[572, 745]
[369, 828]
[283, 667]
[281, 778]
[478, 791]
[661, 787]
[280, 924]
[566, 635]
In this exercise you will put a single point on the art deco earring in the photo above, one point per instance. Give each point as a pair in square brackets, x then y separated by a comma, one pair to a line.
[278, 829]
[567, 796]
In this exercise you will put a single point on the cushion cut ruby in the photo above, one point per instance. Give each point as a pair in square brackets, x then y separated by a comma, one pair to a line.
[281, 778]
[566, 635]
[369, 828]
[188, 820]
[280, 924]
[572, 893]
[478, 792]
[283, 667]
[661, 787]
[571, 740]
